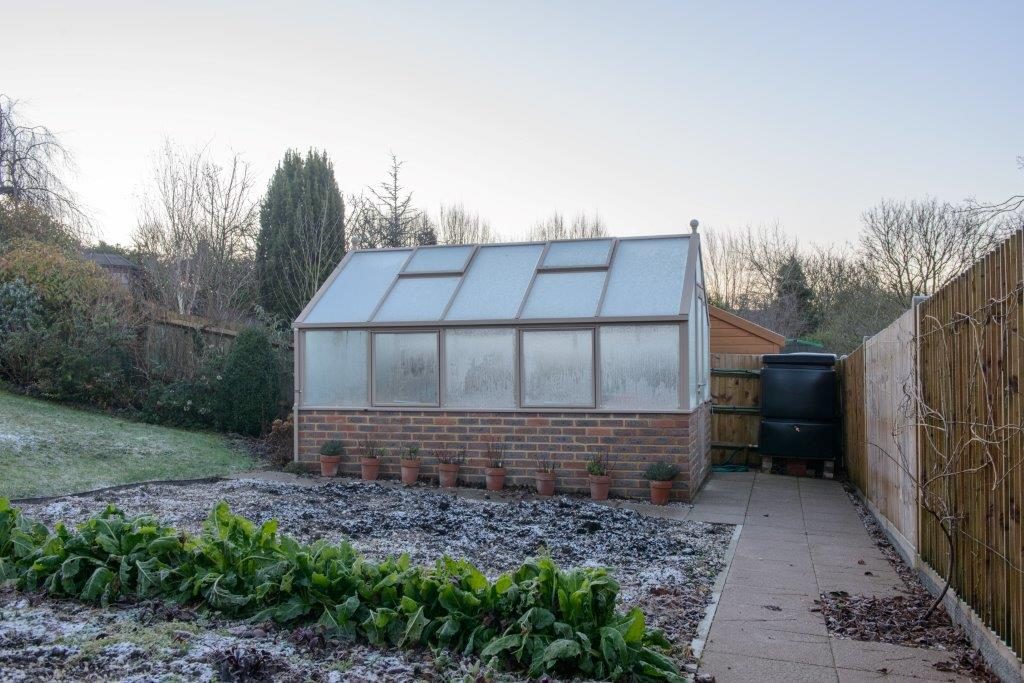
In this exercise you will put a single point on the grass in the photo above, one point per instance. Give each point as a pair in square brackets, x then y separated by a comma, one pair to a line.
[50, 449]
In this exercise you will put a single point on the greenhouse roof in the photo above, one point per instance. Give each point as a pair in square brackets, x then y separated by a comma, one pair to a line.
[633, 278]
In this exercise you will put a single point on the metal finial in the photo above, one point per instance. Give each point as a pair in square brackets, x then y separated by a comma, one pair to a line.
[693, 225]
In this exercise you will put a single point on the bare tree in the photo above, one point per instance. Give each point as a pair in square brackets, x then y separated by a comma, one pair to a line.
[916, 247]
[458, 226]
[33, 163]
[198, 228]
[555, 227]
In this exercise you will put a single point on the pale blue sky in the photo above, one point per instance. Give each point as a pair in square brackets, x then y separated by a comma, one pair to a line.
[650, 113]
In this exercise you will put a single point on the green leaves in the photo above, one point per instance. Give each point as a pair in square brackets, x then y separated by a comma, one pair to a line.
[538, 619]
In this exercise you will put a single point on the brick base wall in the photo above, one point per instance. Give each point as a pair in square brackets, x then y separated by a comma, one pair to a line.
[633, 440]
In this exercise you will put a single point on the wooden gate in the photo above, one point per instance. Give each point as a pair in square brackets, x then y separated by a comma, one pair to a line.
[735, 408]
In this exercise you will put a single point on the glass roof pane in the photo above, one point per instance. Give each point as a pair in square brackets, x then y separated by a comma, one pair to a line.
[358, 288]
[571, 254]
[646, 277]
[435, 259]
[496, 282]
[565, 295]
[418, 298]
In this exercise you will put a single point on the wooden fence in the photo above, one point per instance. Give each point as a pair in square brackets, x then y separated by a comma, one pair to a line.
[961, 423]
[736, 400]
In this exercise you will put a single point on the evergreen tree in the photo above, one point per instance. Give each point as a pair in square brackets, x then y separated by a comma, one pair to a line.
[794, 296]
[302, 232]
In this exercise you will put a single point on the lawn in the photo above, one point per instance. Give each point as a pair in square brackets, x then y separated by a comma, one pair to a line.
[49, 449]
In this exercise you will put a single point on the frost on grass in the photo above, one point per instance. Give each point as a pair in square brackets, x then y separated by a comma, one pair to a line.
[665, 567]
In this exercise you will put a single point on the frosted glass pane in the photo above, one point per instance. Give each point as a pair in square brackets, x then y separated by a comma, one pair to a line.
[646, 277]
[433, 259]
[405, 368]
[335, 368]
[692, 351]
[558, 368]
[496, 282]
[640, 367]
[568, 254]
[418, 298]
[480, 368]
[357, 290]
[565, 295]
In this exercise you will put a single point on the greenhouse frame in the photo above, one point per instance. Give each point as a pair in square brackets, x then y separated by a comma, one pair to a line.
[561, 350]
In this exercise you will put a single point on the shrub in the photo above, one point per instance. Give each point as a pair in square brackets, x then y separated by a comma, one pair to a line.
[598, 463]
[248, 390]
[279, 443]
[538, 618]
[661, 471]
[332, 448]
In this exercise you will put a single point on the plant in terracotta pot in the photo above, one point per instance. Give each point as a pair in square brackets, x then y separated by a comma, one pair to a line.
[545, 476]
[448, 462]
[660, 476]
[369, 463]
[600, 482]
[410, 463]
[330, 457]
[495, 470]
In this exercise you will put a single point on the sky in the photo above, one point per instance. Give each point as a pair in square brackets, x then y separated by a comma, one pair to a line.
[649, 113]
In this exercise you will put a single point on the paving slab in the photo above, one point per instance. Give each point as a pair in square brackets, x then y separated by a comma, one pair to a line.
[799, 538]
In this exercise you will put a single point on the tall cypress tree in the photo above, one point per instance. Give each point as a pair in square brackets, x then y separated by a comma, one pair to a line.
[302, 232]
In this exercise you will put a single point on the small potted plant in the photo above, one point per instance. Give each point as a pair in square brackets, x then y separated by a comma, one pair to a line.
[448, 462]
[545, 476]
[495, 470]
[410, 463]
[330, 457]
[369, 463]
[660, 475]
[600, 482]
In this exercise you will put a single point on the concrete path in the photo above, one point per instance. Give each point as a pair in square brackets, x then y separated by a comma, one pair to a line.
[800, 537]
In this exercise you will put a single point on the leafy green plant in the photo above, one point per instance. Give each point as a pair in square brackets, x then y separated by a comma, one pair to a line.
[332, 448]
[537, 619]
[372, 449]
[661, 471]
[597, 465]
[411, 453]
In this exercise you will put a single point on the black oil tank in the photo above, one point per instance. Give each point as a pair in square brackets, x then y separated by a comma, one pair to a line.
[799, 439]
[803, 388]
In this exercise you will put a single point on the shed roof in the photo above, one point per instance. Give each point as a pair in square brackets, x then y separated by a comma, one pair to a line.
[575, 280]
[746, 325]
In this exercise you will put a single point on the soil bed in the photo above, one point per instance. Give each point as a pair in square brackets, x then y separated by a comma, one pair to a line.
[665, 567]
[900, 619]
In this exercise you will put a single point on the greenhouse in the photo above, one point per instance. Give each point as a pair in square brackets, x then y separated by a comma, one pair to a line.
[560, 350]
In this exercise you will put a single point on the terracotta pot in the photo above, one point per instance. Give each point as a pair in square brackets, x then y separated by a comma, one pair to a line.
[329, 465]
[599, 485]
[545, 483]
[495, 478]
[410, 471]
[660, 491]
[370, 468]
[448, 473]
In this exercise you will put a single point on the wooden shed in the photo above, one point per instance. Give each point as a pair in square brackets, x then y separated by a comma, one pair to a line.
[733, 334]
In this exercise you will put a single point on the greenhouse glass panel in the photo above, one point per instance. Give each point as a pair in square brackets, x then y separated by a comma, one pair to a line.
[438, 259]
[558, 368]
[357, 290]
[577, 254]
[494, 286]
[405, 368]
[335, 368]
[640, 367]
[418, 298]
[480, 368]
[646, 277]
[565, 295]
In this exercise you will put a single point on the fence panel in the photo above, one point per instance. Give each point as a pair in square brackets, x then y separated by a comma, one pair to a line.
[734, 390]
[890, 395]
[851, 372]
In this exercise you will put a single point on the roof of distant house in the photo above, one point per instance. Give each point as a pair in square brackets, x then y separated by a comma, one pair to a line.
[108, 260]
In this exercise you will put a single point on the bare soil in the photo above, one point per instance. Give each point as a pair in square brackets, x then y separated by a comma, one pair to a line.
[665, 567]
